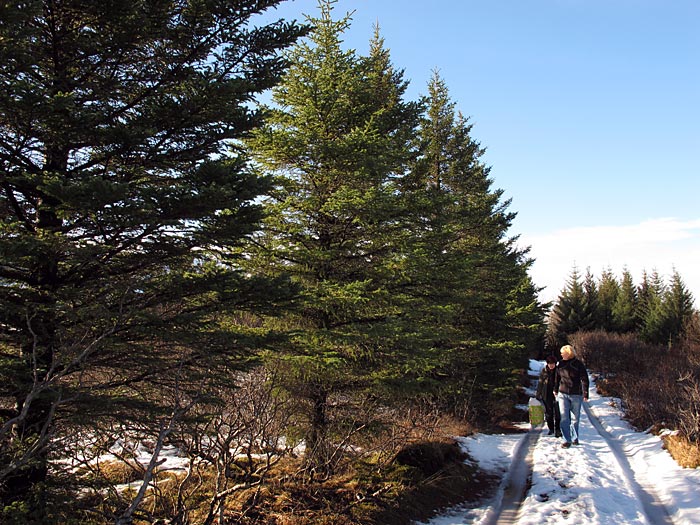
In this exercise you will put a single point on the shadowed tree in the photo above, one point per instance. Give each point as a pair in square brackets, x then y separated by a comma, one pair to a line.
[570, 313]
[116, 199]
[608, 291]
[677, 308]
[592, 302]
[650, 316]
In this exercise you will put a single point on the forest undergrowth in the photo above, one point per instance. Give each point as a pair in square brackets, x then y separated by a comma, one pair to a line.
[427, 472]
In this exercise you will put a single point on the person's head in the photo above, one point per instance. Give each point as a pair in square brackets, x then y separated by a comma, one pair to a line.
[551, 361]
[567, 352]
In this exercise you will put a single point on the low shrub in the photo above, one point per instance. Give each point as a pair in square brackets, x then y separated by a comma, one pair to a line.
[432, 476]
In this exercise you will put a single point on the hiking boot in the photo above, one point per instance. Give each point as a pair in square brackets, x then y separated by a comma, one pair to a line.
[566, 444]
[575, 441]
[557, 434]
[550, 432]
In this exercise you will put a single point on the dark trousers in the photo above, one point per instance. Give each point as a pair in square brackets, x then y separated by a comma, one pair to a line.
[552, 415]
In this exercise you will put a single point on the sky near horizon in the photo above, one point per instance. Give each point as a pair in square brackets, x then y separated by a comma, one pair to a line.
[589, 111]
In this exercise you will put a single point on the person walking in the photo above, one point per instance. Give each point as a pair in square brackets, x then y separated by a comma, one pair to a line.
[571, 389]
[545, 394]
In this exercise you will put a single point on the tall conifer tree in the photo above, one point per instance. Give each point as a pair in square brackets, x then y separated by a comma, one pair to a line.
[625, 305]
[115, 191]
[608, 291]
[337, 137]
[650, 313]
[570, 312]
[677, 308]
[468, 286]
[592, 302]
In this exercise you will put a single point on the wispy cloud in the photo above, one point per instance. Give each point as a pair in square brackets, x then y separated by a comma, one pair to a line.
[657, 244]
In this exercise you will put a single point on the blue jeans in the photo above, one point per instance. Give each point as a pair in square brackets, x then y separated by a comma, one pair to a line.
[570, 410]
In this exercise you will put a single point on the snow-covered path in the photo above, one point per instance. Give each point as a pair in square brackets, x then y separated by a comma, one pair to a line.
[615, 477]
[584, 484]
[643, 489]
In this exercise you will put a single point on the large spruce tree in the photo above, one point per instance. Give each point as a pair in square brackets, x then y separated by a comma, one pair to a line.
[650, 316]
[676, 309]
[608, 291]
[338, 133]
[625, 305]
[468, 292]
[117, 197]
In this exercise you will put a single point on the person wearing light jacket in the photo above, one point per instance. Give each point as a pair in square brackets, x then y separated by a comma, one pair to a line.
[571, 389]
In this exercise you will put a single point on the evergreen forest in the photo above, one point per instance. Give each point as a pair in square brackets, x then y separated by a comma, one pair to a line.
[303, 299]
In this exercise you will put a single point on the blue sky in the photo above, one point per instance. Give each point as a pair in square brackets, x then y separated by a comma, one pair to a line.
[589, 111]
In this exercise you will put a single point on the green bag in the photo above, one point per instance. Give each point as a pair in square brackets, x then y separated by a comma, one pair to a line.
[536, 412]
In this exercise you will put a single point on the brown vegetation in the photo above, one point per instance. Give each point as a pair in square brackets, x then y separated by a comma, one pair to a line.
[402, 464]
[687, 454]
[434, 474]
[657, 385]
[421, 479]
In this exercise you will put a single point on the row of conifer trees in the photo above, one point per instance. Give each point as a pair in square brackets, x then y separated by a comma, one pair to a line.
[162, 236]
[655, 310]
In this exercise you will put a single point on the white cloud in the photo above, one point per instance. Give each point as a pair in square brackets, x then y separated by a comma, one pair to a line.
[656, 244]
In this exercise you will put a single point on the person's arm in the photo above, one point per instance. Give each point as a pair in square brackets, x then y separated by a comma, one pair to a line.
[540, 385]
[584, 382]
[556, 380]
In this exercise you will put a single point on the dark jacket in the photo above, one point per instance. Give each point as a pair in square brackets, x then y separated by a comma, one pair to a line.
[571, 378]
[545, 385]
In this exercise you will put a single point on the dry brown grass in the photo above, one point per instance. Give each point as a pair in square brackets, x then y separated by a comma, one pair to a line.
[115, 472]
[687, 454]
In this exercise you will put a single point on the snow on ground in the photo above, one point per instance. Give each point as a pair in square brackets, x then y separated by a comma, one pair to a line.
[588, 484]
[169, 458]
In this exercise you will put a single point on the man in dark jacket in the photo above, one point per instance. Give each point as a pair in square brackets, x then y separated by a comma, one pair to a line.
[571, 388]
[545, 394]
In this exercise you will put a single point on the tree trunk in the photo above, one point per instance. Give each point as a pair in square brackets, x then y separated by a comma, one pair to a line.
[317, 447]
[34, 396]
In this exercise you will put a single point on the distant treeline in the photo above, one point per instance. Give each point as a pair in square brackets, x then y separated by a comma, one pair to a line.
[657, 311]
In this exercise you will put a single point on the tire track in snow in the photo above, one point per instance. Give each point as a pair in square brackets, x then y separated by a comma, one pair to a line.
[515, 484]
[654, 509]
